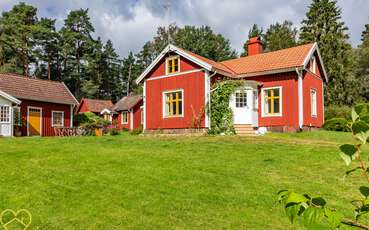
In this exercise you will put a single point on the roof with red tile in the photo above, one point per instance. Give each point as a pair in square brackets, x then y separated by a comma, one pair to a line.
[95, 105]
[276, 60]
[22, 87]
[127, 102]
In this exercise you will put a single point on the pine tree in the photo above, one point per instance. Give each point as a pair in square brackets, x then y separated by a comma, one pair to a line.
[255, 31]
[77, 45]
[18, 28]
[280, 36]
[111, 83]
[362, 61]
[323, 25]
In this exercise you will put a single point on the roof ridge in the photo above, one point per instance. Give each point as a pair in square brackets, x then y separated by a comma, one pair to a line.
[271, 52]
[36, 79]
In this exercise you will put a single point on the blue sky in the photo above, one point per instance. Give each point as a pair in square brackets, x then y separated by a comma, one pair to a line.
[130, 23]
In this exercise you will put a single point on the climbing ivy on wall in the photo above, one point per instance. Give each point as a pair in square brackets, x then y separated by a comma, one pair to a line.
[220, 112]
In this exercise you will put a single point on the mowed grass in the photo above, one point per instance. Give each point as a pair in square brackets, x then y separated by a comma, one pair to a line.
[134, 182]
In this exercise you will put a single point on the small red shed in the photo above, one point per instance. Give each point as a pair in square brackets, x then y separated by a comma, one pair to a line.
[128, 112]
[41, 105]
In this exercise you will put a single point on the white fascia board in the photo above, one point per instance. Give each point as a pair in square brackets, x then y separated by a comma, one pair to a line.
[292, 69]
[9, 97]
[310, 54]
[177, 50]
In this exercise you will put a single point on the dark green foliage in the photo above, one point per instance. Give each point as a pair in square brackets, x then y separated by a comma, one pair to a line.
[220, 112]
[280, 36]
[323, 25]
[114, 131]
[255, 31]
[362, 64]
[337, 124]
[335, 111]
[136, 131]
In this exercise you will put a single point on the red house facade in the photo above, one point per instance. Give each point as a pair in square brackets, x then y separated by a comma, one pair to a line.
[283, 89]
[36, 106]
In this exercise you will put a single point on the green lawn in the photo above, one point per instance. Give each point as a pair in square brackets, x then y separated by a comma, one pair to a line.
[134, 182]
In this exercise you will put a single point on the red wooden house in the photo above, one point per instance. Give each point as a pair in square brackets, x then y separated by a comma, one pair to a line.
[42, 104]
[128, 112]
[98, 107]
[283, 89]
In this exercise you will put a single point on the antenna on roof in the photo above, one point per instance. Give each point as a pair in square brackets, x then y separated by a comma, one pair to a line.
[166, 6]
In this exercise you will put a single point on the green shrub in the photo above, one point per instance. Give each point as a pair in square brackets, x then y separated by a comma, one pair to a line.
[89, 122]
[335, 111]
[337, 124]
[136, 131]
[114, 131]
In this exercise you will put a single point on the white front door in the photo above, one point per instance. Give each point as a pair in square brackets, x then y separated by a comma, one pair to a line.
[242, 103]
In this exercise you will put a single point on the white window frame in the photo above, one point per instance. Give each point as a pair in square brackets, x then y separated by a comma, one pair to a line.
[142, 115]
[166, 64]
[124, 122]
[9, 114]
[52, 118]
[313, 107]
[263, 114]
[163, 98]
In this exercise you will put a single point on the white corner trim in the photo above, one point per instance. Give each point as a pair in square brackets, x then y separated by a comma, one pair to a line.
[71, 115]
[144, 105]
[280, 102]
[300, 97]
[172, 48]
[131, 119]
[207, 98]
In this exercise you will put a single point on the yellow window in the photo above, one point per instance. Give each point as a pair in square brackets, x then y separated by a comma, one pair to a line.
[125, 117]
[172, 64]
[173, 104]
[272, 101]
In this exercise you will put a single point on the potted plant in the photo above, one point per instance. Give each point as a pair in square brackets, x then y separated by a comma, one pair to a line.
[18, 124]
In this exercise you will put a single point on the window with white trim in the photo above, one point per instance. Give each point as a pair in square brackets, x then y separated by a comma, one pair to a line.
[313, 100]
[272, 102]
[4, 114]
[57, 118]
[173, 103]
[124, 117]
[172, 64]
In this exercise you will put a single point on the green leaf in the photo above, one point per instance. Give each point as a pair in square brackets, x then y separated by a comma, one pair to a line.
[318, 201]
[360, 126]
[347, 153]
[352, 170]
[296, 198]
[354, 115]
[362, 137]
[364, 191]
[334, 218]
[292, 210]
[312, 215]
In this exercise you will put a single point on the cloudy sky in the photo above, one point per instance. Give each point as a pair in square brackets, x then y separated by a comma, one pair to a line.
[130, 23]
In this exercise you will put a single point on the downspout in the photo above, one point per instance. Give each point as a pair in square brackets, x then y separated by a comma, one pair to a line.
[300, 97]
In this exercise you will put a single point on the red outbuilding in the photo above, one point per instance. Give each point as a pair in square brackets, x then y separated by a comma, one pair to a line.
[36, 106]
[99, 107]
[283, 89]
[128, 112]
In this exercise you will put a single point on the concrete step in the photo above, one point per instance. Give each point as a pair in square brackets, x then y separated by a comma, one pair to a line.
[244, 130]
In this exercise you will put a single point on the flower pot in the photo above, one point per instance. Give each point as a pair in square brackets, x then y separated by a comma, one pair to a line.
[98, 132]
[17, 132]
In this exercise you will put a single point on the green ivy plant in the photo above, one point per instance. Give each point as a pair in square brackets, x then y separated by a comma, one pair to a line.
[313, 210]
[220, 112]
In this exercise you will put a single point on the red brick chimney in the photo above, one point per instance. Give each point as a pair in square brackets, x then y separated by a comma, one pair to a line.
[254, 46]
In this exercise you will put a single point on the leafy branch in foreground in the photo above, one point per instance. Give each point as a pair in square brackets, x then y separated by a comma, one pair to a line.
[313, 210]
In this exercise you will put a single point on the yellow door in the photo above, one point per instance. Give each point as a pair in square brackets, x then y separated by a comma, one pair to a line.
[34, 122]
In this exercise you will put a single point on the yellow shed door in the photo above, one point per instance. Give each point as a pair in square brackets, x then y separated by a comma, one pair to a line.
[34, 122]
